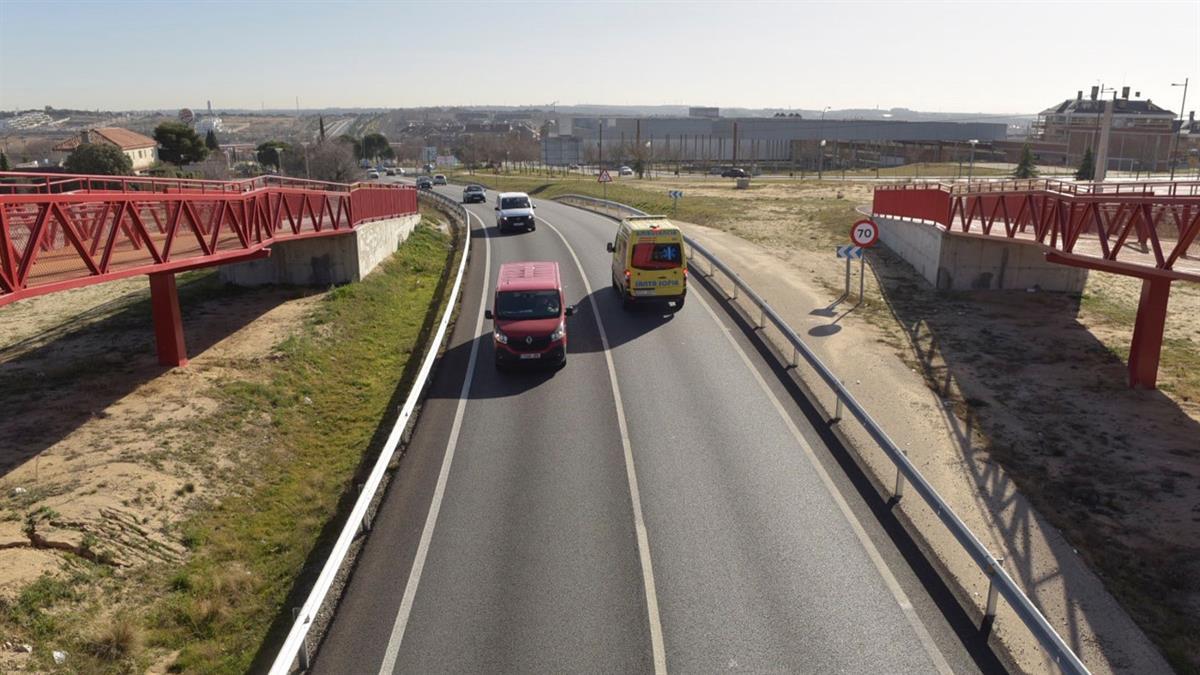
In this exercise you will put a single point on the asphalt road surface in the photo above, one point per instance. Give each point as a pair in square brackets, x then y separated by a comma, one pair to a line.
[660, 503]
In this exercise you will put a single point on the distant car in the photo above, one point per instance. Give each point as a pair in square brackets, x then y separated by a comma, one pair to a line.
[715, 171]
[390, 171]
[474, 193]
[372, 174]
[428, 168]
[439, 179]
[573, 167]
[399, 171]
[734, 173]
[625, 171]
[425, 183]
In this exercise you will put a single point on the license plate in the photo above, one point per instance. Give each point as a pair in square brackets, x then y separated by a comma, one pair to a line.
[647, 292]
[531, 356]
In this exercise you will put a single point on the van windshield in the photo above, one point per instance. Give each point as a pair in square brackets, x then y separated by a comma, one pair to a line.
[657, 256]
[514, 203]
[528, 305]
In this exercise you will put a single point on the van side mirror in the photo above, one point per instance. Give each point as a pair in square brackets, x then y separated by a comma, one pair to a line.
[497, 208]
[532, 206]
[610, 247]
[570, 310]
[487, 314]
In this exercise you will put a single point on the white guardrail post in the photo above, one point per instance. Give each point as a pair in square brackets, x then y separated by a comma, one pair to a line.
[295, 646]
[999, 581]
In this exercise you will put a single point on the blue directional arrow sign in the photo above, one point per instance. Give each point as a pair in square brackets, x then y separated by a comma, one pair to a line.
[675, 194]
[851, 252]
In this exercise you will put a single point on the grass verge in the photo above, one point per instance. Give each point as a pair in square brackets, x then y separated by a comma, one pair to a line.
[303, 418]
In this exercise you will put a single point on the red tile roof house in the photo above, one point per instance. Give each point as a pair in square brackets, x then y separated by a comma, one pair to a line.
[141, 150]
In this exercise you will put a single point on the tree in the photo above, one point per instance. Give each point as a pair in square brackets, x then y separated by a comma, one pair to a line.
[375, 146]
[179, 144]
[210, 141]
[1025, 167]
[1087, 167]
[3, 161]
[322, 121]
[270, 153]
[99, 159]
[332, 161]
[352, 143]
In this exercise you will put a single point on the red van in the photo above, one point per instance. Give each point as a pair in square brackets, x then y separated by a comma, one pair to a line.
[529, 314]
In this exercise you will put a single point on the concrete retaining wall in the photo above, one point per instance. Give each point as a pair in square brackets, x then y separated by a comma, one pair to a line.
[966, 263]
[323, 261]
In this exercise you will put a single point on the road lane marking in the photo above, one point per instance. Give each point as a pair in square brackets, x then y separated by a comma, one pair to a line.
[639, 523]
[414, 576]
[889, 579]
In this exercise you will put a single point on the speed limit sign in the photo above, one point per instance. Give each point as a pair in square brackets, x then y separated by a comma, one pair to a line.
[864, 233]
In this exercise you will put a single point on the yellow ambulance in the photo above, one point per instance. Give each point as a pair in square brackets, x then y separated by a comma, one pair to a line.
[648, 263]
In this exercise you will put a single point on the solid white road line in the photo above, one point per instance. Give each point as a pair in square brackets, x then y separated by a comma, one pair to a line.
[414, 576]
[889, 579]
[639, 524]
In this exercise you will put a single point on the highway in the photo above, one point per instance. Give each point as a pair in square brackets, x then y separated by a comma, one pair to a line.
[659, 504]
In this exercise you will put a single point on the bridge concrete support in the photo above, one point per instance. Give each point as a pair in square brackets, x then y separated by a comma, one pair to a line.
[966, 262]
[325, 260]
[168, 320]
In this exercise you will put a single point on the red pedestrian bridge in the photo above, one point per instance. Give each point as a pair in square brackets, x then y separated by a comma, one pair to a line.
[1142, 229]
[60, 231]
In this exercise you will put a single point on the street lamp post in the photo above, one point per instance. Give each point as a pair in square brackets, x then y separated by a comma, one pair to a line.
[1175, 136]
[820, 158]
[971, 165]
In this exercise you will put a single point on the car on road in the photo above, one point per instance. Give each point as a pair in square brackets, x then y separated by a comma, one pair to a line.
[425, 183]
[734, 173]
[513, 210]
[428, 168]
[474, 193]
[625, 171]
[390, 171]
[372, 174]
[529, 315]
[439, 179]
[715, 171]
[648, 262]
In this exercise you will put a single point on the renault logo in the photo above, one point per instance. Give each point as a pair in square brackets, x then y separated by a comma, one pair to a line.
[528, 339]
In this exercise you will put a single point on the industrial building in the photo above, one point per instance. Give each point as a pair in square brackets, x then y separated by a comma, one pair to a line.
[752, 140]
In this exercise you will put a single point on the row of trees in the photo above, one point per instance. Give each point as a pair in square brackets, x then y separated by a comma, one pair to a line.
[1027, 169]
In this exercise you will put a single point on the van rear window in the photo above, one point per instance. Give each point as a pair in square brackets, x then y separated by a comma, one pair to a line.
[657, 256]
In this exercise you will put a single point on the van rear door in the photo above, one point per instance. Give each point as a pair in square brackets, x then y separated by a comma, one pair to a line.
[656, 264]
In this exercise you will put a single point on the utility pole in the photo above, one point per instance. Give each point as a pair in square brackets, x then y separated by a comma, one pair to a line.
[1175, 136]
[1105, 131]
[971, 167]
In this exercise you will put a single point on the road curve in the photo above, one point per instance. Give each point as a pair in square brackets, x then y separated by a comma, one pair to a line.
[754, 556]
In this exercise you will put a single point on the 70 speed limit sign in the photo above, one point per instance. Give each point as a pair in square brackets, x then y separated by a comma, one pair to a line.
[864, 233]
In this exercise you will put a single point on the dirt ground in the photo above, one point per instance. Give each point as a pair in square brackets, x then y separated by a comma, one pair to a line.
[103, 455]
[1029, 402]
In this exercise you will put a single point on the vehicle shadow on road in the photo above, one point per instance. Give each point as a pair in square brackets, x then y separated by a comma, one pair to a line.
[54, 382]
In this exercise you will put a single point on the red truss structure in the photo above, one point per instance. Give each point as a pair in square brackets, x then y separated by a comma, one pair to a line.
[1142, 229]
[62, 231]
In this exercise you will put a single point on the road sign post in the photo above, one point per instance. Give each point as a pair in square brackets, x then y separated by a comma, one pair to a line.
[604, 179]
[675, 196]
[864, 233]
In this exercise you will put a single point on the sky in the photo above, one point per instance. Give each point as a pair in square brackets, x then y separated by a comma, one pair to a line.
[996, 57]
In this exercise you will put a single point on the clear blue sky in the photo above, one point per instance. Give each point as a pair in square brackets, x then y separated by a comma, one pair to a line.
[1005, 57]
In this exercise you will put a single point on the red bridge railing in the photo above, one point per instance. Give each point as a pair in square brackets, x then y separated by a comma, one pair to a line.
[1147, 227]
[1145, 230]
[62, 231]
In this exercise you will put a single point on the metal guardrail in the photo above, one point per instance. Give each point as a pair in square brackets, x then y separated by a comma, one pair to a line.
[296, 645]
[999, 581]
